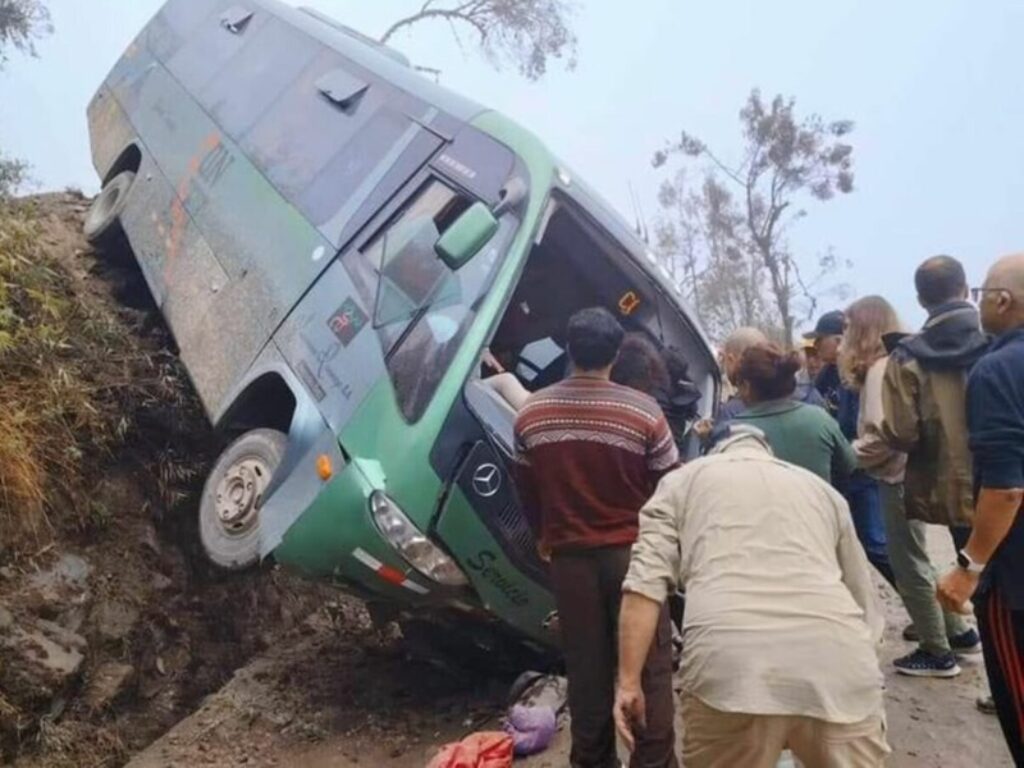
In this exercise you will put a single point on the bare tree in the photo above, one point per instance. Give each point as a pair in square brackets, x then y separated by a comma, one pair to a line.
[700, 240]
[526, 33]
[785, 159]
[22, 23]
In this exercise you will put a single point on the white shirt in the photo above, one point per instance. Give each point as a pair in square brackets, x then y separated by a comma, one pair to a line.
[781, 617]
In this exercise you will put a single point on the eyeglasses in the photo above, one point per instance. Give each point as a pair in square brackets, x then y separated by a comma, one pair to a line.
[978, 293]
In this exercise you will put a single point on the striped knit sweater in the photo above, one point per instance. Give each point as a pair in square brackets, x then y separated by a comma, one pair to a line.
[589, 454]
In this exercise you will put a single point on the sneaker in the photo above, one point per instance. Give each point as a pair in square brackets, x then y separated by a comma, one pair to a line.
[923, 664]
[987, 705]
[967, 644]
[910, 634]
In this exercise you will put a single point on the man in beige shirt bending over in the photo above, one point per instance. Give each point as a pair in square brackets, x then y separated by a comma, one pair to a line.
[781, 625]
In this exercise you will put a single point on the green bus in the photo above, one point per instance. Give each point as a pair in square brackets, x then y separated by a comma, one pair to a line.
[335, 243]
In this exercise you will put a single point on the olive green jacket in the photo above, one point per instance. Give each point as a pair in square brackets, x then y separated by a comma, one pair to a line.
[925, 416]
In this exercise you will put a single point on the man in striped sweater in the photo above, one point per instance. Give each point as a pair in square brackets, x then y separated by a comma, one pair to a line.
[590, 454]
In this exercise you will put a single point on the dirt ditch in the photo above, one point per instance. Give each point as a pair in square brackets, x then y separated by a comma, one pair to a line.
[112, 625]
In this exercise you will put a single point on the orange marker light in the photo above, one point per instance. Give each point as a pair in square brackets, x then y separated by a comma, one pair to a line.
[629, 303]
[324, 468]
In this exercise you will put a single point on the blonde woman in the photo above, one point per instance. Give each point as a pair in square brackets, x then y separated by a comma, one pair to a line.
[862, 363]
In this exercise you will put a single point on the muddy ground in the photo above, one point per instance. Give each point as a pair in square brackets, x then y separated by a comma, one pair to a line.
[118, 644]
[337, 699]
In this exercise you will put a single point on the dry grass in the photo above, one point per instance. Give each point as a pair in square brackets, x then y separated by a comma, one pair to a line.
[73, 378]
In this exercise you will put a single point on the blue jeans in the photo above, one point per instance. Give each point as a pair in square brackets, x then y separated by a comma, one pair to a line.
[863, 496]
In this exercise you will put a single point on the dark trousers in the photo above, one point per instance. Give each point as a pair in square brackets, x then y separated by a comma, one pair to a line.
[1002, 637]
[588, 590]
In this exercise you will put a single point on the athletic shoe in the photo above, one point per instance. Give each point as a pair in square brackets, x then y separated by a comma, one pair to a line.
[910, 634]
[923, 664]
[987, 705]
[967, 644]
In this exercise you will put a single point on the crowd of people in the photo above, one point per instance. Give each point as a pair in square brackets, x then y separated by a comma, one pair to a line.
[822, 463]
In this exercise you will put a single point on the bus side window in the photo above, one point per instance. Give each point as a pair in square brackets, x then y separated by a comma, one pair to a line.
[434, 201]
[421, 309]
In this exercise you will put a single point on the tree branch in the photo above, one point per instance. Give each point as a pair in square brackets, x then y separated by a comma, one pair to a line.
[449, 14]
[722, 166]
[805, 289]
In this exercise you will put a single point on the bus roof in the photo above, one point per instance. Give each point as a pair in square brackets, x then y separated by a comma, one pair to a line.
[384, 62]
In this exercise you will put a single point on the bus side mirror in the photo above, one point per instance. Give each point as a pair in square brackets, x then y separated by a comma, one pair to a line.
[464, 239]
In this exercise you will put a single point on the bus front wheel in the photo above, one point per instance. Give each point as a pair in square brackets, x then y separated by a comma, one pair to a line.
[103, 221]
[229, 511]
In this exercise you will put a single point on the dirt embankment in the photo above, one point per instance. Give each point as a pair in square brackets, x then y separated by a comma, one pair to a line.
[112, 626]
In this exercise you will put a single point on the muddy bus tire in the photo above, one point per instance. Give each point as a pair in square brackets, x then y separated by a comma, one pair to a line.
[102, 226]
[229, 511]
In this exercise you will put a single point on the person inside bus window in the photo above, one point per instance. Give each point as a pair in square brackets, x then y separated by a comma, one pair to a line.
[504, 382]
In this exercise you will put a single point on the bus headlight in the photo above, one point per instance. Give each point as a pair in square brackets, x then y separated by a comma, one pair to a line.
[419, 551]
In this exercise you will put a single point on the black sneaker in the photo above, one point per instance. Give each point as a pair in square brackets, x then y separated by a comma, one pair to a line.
[987, 705]
[923, 664]
[967, 644]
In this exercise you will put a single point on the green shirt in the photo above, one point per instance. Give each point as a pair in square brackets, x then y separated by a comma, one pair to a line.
[804, 435]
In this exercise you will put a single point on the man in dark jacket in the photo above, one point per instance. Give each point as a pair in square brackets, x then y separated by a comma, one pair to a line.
[827, 337]
[923, 398]
[992, 562]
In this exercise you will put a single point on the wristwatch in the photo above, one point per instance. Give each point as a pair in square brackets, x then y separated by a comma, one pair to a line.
[964, 561]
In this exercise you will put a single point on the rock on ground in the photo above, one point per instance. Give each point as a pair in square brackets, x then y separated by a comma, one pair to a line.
[39, 663]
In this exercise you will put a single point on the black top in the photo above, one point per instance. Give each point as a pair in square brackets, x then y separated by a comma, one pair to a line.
[829, 384]
[995, 417]
[951, 340]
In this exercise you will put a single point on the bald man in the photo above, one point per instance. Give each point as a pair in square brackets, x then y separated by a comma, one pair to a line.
[991, 566]
[740, 341]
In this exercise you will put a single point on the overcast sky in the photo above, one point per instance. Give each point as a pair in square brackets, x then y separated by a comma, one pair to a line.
[934, 87]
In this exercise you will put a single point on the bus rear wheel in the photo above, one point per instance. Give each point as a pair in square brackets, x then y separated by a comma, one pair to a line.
[103, 221]
[229, 511]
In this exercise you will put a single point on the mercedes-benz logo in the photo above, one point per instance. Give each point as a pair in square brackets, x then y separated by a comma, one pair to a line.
[487, 480]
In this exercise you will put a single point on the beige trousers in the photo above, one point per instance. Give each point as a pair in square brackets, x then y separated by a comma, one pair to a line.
[715, 739]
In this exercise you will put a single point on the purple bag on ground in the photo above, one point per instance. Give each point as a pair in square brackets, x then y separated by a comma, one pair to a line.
[532, 729]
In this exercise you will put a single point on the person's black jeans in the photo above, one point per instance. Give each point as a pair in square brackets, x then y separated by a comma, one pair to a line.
[588, 590]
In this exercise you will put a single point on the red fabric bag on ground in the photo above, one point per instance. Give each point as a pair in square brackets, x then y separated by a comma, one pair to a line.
[481, 750]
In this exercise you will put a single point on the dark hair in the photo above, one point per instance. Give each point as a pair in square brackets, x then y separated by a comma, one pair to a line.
[678, 366]
[641, 367]
[594, 338]
[770, 372]
[940, 279]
